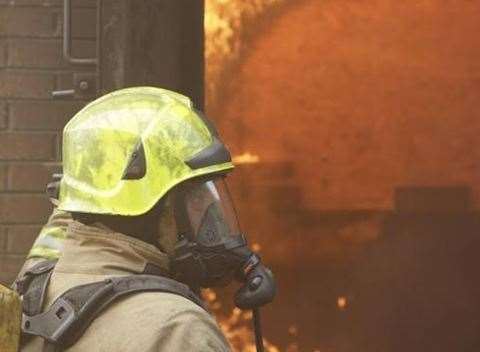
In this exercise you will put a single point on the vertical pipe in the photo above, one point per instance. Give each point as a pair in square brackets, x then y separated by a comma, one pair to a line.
[258, 330]
[98, 47]
[67, 38]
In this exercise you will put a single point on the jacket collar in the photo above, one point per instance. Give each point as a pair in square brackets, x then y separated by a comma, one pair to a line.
[97, 250]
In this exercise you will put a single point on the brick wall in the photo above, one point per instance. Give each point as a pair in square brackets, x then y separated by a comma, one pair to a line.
[31, 67]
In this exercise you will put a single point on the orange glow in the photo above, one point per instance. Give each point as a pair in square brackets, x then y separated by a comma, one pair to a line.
[237, 326]
[342, 302]
[344, 102]
[226, 26]
[246, 158]
[256, 247]
[293, 330]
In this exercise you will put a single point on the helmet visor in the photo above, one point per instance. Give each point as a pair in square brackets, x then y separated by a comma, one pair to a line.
[210, 212]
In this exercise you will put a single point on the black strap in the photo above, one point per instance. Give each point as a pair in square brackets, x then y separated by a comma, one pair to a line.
[51, 347]
[72, 313]
[33, 286]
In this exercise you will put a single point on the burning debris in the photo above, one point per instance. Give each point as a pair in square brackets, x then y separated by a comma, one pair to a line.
[236, 326]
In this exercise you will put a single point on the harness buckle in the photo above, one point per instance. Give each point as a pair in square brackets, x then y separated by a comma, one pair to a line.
[51, 324]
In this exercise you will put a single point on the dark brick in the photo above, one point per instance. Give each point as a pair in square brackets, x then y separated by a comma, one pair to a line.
[6, 279]
[24, 84]
[10, 266]
[85, 3]
[3, 239]
[64, 81]
[43, 3]
[39, 53]
[49, 115]
[30, 177]
[3, 115]
[84, 21]
[3, 53]
[27, 146]
[3, 177]
[35, 22]
[48, 3]
[21, 237]
[58, 149]
[24, 208]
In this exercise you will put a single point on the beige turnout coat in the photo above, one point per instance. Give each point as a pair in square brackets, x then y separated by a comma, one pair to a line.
[153, 321]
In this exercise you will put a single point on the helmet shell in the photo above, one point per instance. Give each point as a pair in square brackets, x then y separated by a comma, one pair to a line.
[98, 143]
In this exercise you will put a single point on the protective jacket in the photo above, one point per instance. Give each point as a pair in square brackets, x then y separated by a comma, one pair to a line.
[49, 242]
[153, 321]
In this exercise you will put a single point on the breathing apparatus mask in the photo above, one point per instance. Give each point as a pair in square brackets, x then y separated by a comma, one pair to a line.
[211, 250]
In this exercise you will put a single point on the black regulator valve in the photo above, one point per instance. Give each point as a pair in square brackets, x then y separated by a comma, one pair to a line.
[259, 285]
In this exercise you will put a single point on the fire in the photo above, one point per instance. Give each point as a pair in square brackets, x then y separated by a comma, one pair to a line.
[342, 302]
[293, 330]
[256, 247]
[246, 158]
[227, 24]
[237, 326]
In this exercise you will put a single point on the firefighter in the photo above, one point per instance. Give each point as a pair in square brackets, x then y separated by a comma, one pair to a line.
[144, 221]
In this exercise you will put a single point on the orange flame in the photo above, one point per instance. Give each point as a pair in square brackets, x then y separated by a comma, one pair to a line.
[246, 158]
[342, 302]
[236, 326]
[226, 26]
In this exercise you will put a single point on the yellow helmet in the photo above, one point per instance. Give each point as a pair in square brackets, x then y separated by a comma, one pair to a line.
[124, 151]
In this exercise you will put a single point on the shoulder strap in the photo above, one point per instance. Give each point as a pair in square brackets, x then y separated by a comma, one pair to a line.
[72, 313]
[32, 285]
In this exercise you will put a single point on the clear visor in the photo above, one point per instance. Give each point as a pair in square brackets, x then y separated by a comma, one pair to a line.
[210, 211]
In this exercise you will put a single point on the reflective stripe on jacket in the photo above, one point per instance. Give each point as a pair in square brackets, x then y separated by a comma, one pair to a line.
[49, 242]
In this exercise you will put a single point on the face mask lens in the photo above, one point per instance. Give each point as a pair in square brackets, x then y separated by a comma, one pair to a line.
[210, 211]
